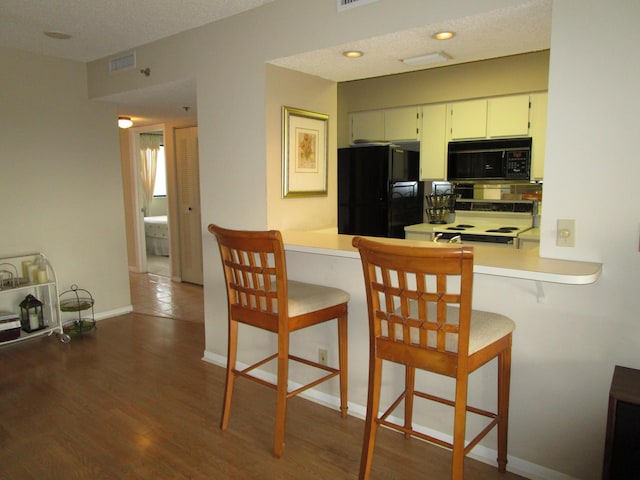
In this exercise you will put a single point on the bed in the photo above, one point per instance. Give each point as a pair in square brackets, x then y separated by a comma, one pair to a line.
[156, 234]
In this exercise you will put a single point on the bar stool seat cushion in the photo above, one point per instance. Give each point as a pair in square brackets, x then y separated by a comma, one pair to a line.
[307, 297]
[486, 327]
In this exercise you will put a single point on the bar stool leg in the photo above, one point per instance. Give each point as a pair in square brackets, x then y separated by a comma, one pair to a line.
[504, 377]
[371, 422]
[342, 363]
[232, 350]
[409, 382]
[459, 428]
[281, 394]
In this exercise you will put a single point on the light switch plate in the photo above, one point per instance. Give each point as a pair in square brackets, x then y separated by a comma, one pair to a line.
[566, 233]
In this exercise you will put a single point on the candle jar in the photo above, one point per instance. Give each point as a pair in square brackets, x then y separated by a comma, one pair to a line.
[41, 276]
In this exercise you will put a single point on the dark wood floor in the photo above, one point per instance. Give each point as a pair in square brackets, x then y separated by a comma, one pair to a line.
[135, 400]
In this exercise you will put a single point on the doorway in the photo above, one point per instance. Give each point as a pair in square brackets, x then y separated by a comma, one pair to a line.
[180, 210]
[155, 195]
[151, 222]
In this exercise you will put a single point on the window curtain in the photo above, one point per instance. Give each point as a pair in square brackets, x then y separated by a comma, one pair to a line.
[149, 146]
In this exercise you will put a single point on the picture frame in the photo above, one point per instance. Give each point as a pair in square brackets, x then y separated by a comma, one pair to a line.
[304, 153]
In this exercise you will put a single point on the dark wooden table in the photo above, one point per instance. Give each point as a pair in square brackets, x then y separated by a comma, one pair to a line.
[622, 444]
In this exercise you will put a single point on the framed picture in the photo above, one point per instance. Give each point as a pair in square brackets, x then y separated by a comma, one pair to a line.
[304, 153]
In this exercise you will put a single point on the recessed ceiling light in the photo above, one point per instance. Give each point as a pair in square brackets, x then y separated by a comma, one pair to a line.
[443, 35]
[58, 35]
[353, 53]
[435, 57]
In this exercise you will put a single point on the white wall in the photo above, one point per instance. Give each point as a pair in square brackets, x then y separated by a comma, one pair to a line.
[564, 349]
[60, 183]
[285, 87]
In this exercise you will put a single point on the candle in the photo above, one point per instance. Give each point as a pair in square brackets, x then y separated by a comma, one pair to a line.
[25, 268]
[41, 276]
[34, 324]
[32, 273]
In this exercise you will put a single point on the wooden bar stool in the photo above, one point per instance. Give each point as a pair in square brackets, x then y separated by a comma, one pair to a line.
[259, 294]
[420, 316]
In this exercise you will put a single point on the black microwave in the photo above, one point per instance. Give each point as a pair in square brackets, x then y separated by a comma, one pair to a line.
[501, 159]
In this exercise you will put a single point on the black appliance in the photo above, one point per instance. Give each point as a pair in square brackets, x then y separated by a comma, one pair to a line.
[486, 160]
[379, 192]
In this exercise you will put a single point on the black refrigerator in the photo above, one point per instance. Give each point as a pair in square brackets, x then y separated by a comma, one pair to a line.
[379, 192]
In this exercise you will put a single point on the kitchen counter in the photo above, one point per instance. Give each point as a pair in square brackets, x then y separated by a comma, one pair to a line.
[489, 260]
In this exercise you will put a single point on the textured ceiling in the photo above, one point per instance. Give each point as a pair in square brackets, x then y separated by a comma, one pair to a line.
[100, 28]
[509, 31]
[103, 27]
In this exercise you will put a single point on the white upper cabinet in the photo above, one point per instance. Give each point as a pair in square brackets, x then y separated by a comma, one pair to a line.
[435, 125]
[394, 124]
[367, 125]
[401, 123]
[508, 116]
[538, 133]
[468, 120]
[433, 142]
[489, 118]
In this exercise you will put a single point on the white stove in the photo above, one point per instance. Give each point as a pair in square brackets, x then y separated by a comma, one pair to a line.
[489, 221]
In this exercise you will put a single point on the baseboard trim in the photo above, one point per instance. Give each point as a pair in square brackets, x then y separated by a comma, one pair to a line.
[480, 453]
[114, 313]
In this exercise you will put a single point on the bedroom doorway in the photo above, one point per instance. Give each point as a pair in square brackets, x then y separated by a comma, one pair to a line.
[151, 200]
[155, 202]
[175, 235]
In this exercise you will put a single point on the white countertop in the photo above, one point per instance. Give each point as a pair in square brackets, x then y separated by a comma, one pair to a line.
[489, 260]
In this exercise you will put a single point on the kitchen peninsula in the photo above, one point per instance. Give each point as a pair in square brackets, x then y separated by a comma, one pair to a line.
[514, 282]
[489, 260]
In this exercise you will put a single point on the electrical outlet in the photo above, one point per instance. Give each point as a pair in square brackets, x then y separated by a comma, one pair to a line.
[566, 233]
[323, 355]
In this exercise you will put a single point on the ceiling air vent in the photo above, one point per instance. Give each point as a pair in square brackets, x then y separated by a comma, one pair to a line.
[346, 4]
[124, 62]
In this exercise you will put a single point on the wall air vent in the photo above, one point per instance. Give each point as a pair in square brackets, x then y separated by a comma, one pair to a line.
[125, 62]
[346, 4]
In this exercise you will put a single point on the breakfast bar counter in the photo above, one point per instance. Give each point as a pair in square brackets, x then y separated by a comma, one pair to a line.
[489, 260]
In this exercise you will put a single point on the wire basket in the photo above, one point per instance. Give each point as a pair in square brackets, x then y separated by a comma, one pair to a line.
[80, 301]
[440, 207]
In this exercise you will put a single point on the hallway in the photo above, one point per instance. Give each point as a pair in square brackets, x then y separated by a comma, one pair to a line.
[157, 295]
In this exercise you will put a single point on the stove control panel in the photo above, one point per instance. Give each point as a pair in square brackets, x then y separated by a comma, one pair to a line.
[515, 206]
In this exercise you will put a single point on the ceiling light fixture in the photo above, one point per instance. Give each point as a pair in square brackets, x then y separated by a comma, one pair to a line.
[444, 35]
[436, 57]
[124, 122]
[353, 53]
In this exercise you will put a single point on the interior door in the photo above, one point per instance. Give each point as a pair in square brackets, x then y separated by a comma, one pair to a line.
[188, 195]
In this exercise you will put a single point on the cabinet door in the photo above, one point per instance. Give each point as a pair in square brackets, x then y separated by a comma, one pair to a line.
[468, 119]
[433, 142]
[401, 124]
[538, 132]
[508, 116]
[367, 125]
